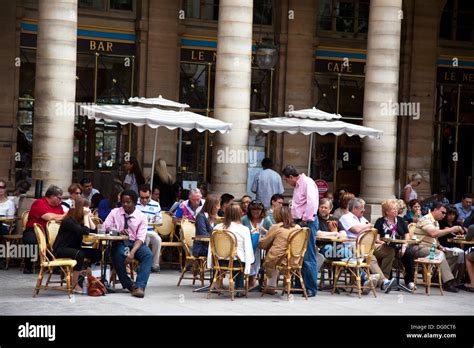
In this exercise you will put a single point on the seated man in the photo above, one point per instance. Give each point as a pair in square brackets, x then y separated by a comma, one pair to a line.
[191, 207]
[226, 200]
[88, 191]
[354, 223]
[42, 210]
[464, 207]
[277, 200]
[130, 222]
[428, 204]
[152, 211]
[427, 232]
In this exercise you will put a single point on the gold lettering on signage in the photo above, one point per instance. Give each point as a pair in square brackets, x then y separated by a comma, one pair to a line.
[450, 76]
[468, 77]
[201, 55]
[193, 57]
[336, 67]
[100, 45]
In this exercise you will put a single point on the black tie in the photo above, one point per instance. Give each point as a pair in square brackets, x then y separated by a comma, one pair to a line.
[126, 218]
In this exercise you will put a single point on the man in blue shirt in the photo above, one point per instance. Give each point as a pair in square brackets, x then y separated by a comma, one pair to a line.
[464, 207]
[152, 211]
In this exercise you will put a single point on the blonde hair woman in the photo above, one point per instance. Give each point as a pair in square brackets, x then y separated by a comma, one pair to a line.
[394, 226]
[409, 192]
[165, 183]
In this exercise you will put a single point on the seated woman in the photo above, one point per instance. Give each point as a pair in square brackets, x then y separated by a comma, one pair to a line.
[343, 205]
[76, 224]
[232, 223]
[328, 229]
[414, 212]
[393, 225]
[276, 244]
[258, 224]
[244, 203]
[205, 222]
[113, 201]
[454, 254]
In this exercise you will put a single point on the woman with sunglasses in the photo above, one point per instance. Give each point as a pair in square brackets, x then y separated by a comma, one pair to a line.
[75, 191]
[258, 224]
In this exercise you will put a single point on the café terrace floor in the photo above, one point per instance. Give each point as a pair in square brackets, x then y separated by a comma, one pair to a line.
[164, 298]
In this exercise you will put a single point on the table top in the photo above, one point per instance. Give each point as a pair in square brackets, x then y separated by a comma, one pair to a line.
[155, 224]
[400, 241]
[202, 238]
[103, 237]
[335, 240]
[460, 241]
[8, 218]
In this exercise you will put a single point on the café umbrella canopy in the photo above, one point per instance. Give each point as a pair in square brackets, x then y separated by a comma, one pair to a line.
[310, 121]
[154, 113]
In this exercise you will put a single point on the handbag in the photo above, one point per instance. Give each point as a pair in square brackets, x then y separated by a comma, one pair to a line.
[95, 286]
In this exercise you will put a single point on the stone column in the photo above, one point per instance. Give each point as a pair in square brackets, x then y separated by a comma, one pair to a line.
[232, 95]
[55, 92]
[381, 91]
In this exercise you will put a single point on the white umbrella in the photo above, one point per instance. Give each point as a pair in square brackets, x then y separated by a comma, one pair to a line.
[152, 112]
[310, 121]
[313, 114]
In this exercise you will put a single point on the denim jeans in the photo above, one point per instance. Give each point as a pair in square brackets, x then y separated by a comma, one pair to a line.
[143, 255]
[310, 264]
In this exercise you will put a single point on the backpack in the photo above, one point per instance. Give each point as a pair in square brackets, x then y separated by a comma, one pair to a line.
[95, 286]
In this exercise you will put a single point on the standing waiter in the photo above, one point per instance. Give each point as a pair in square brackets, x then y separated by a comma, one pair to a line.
[304, 209]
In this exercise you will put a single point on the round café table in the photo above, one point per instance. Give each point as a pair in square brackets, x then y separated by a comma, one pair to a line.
[398, 243]
[105, 243]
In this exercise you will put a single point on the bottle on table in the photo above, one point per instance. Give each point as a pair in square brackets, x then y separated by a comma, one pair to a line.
[84, 285]
[432, 251]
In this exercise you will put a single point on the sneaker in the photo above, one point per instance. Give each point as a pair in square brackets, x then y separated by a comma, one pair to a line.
[387, 285]
[138, 292]
[411, 285]
[155, 269]
[375, 279]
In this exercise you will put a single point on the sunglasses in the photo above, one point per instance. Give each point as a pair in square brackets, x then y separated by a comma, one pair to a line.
[256, 203]
[3, 187]
[147, 197]
[444, 213]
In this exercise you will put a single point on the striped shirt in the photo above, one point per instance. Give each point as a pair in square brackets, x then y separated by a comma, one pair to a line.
[152, 211]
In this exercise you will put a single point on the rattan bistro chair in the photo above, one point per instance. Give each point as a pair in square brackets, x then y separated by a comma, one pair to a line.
[197, 264]
[12, 238]
[365, 244]
[291, 264]
[52, 229]
[223, 246]
[49, 263]
[167, 234]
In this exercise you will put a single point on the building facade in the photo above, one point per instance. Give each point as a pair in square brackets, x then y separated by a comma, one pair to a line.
[169, 48]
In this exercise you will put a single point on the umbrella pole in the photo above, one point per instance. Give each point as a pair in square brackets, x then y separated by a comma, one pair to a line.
[310, 153]
[154, 157]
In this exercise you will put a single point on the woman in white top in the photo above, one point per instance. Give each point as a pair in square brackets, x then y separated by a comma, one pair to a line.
[245, 253]
[7, 207]
[134, 177]
[409, 192]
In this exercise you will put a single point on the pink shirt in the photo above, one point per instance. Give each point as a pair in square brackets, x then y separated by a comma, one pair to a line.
[305, 199]
[137, 223]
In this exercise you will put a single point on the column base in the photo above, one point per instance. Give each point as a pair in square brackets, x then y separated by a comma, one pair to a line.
[372, 212]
